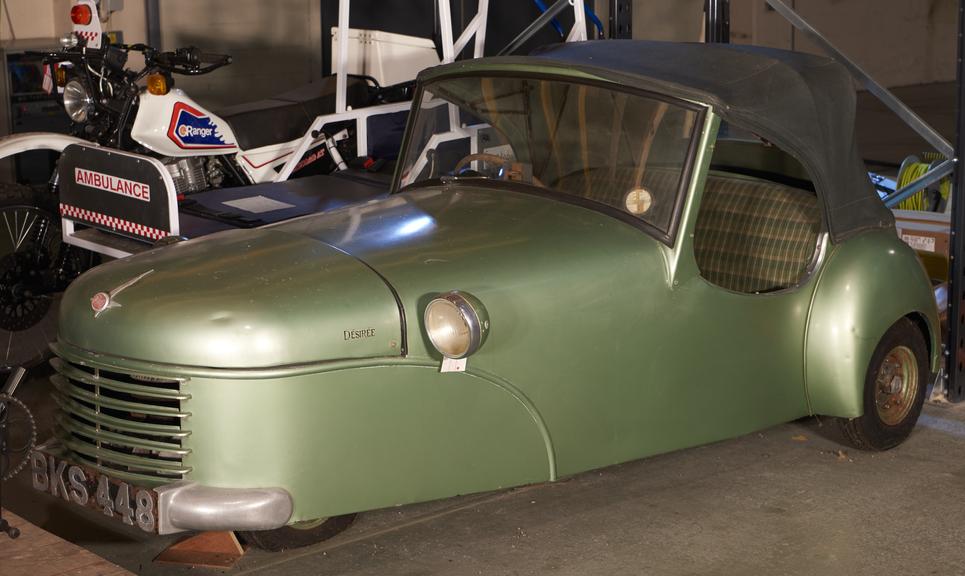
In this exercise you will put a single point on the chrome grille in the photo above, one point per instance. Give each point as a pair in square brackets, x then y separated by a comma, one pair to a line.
[129, 426]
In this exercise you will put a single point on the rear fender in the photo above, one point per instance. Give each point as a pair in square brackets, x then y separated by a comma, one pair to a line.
[867, 284]
[17, 143]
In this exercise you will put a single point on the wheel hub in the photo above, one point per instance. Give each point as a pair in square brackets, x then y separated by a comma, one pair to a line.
[24, 297]
[896, 385]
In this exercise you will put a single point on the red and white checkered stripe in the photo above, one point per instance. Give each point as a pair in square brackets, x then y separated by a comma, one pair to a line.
[113, 223]
[89, 36]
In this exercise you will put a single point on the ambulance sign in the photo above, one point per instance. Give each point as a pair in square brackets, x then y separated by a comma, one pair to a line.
[108, 183]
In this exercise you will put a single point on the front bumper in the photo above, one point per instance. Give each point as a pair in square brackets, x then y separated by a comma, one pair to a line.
[166, 509]
[191, 506]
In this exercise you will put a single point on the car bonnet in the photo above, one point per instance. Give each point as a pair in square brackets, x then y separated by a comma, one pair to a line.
[237, 299]
[498, 243]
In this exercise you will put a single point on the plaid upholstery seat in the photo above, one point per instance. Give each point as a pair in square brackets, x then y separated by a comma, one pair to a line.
[754, 236]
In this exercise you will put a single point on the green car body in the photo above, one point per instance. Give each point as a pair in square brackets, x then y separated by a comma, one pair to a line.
[303, 364]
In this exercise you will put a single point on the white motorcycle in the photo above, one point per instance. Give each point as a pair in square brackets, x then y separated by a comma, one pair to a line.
[143, 154]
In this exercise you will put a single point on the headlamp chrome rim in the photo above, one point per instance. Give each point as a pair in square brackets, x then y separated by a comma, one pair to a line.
[471, 312]
[77, 101]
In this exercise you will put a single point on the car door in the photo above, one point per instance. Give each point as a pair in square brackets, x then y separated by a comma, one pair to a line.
[751, 244]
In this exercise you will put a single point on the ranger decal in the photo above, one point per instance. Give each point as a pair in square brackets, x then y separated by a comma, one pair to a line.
[192, 129]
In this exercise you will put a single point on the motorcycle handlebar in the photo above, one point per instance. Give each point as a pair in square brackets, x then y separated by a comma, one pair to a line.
[190, 61]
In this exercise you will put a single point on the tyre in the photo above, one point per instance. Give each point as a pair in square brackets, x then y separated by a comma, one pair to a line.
[299, 534]
[894, 390]
[35, 267]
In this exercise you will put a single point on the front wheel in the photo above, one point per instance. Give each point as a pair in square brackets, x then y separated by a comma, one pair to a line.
[894, 390]
[35, 266]
[299, 534]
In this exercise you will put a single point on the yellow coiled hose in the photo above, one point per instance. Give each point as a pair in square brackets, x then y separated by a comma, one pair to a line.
[913, 168]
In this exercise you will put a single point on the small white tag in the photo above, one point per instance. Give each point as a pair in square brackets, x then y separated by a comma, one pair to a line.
[258, 204]
[453, 365]
[504, 151]
[920, 243]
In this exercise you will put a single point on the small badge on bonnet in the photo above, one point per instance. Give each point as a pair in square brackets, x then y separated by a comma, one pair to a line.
[100, 302]
[103, 301]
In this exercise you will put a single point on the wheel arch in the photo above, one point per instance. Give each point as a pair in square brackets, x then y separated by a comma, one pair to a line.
[430, 435]
[932, 337]
[868, 283]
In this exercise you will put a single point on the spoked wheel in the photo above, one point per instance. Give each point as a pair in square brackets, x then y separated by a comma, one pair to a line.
[299, 534]
[894, 390]
[35, 266]
[20, 437]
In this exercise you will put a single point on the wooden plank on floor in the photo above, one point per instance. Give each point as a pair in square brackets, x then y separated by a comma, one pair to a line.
[39, 553]
[205, 550]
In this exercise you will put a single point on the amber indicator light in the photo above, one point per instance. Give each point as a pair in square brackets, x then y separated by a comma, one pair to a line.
[157, 84]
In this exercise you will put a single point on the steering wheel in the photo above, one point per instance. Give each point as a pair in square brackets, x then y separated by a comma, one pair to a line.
[491, 159]
[479, 156]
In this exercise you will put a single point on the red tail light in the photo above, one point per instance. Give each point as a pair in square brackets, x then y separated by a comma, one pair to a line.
[81, 15]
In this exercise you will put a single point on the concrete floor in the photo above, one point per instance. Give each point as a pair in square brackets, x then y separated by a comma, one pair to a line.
[789, 500]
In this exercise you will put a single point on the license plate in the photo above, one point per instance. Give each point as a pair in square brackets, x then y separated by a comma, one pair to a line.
[83, 486]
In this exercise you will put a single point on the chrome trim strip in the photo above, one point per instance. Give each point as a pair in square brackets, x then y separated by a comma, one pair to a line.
[471, 318]
[69, 371]
[73, 426]
[68, 405]
[101, 454]
[191, 506]
[63, 385]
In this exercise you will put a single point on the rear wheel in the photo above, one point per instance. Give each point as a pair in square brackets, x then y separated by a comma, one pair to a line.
[299, 534]
[894, 390]
[35, 266]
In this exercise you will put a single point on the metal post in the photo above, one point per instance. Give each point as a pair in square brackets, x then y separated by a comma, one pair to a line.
[533, 28]
[717, 25]
[152, 11]
[341, 86]
[621, 19]
[955, 344]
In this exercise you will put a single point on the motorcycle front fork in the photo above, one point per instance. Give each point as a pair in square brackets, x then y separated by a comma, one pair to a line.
[64, 256]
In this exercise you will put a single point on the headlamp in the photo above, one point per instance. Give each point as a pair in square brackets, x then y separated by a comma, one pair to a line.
[456, 323]
[77, 101]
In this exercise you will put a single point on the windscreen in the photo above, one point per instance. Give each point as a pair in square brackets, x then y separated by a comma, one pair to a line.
[624, 150]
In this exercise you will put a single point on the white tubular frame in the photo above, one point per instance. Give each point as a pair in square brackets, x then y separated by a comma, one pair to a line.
[340, 73]
[451, 49]
[476, 27]
[475, 30]
[578, 31]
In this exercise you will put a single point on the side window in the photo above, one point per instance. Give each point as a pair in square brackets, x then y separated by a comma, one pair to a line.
[759, 220]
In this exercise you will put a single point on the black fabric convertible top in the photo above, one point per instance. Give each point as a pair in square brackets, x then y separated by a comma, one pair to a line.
[803, 103]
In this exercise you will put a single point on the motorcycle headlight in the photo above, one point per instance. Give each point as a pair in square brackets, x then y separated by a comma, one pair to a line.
[77, 101]
[456, 323]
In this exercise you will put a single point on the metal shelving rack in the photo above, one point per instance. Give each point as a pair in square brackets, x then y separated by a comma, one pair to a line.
[955, 361]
